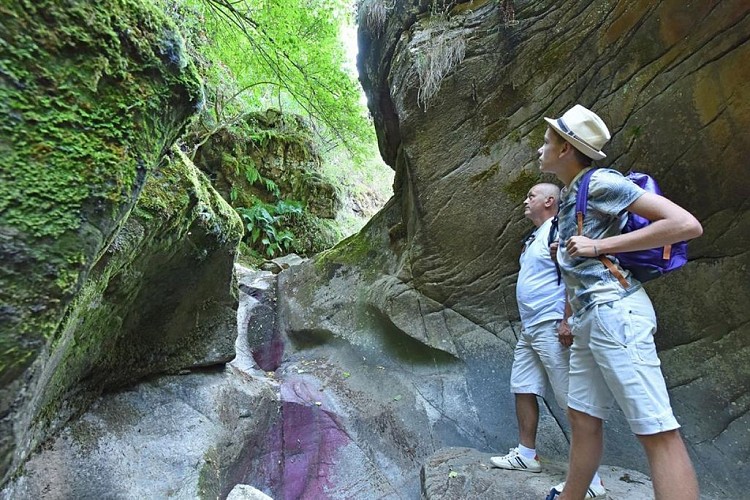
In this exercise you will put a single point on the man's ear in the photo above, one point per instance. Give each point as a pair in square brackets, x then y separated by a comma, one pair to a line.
[549, 201]
[567, 148]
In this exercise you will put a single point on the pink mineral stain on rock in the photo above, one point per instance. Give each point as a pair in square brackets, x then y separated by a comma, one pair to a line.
[268, 355]
[303, 445]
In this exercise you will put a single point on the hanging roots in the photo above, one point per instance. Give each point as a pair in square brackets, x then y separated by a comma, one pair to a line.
[442, 52]
[372, 13]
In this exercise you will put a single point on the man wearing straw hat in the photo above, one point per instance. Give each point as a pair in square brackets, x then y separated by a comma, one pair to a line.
[613, 357]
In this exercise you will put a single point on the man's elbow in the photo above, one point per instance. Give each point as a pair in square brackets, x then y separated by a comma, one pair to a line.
[692, 228]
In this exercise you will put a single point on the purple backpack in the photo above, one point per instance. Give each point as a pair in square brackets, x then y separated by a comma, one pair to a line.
[645, 265]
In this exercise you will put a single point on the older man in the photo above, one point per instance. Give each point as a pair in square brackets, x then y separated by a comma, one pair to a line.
[541, 354]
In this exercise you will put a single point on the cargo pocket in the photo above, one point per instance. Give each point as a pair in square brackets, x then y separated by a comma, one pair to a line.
[614, 325]
[643, 349]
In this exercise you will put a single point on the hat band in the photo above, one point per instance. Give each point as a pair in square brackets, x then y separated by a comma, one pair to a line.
[572, 134]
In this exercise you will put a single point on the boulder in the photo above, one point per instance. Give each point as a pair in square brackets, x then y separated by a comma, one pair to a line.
[246, 492]
[267, 157]
[117, 254]
[466, 473]
[171, 437]
[279, 147]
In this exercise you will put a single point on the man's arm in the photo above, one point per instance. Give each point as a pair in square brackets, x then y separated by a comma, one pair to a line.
[670, 223]
[564, 335]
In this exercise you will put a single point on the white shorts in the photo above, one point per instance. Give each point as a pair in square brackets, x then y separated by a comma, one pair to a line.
[613, 358]
[540, 357]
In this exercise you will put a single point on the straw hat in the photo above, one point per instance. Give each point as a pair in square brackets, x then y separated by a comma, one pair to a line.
[583, 129]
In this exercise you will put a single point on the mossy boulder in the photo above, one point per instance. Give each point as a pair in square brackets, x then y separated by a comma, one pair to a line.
[241, 158]
[159, 300]
[94, 94]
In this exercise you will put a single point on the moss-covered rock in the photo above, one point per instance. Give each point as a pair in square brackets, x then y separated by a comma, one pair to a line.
[243, 157]
[159, 300]
[669, 79]
[93, 94]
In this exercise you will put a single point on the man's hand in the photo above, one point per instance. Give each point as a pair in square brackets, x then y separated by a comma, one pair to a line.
[564, 335]
[553, 250]
[581, 246]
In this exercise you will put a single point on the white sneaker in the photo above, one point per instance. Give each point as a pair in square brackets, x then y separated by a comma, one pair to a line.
[514, 461]
[594, 491]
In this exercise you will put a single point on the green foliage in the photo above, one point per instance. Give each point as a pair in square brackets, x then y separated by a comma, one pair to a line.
[250, 172]
[264, 63]
[369, 183]
[265, 232]
[281, 53]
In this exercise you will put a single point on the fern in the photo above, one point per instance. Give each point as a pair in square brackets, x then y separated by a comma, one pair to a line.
[265, 232]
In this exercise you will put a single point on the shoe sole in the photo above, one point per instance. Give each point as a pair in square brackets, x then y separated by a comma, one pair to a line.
[603, 496]
[509, 467]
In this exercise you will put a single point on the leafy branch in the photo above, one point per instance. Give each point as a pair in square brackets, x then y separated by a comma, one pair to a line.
[307, 70]
[223, 123]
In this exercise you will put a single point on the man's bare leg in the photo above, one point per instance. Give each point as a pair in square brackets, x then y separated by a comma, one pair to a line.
[527, 413]
[585, 453]
[672, 471]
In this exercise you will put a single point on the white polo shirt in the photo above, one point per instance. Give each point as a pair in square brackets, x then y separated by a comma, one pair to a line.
[539, 296]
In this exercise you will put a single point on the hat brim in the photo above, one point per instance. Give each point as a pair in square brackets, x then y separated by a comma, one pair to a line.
[580, 146]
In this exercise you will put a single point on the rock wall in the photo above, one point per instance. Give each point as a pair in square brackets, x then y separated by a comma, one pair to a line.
[439, 263]
[116, 260]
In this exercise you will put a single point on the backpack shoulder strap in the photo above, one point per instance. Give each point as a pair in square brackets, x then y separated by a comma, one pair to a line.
[551, 237]
[582, 198]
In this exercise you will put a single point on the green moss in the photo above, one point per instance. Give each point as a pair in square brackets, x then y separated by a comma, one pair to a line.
[354, 250]
[518, 188]
[58, 100]
[209, 477]
[269, 157]
[634, 132]
[90, 340]
[92, 92]
[487, 174]
[494, 131]
[85, 339]
[312, 234]
[180, 189]
[536, 136]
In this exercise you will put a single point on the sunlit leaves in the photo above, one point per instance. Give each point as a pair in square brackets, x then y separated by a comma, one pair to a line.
[287, 54]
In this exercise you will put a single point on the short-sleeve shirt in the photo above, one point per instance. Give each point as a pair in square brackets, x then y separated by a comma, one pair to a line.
[589, 281]
[540, 298]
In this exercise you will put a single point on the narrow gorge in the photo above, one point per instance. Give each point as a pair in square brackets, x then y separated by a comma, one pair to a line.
[144, 357]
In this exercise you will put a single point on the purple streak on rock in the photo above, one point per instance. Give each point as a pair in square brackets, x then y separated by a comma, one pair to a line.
[268, 355]
[265, 469]
[311, 435]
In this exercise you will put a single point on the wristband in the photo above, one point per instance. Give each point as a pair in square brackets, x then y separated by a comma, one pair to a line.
[596, 252]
